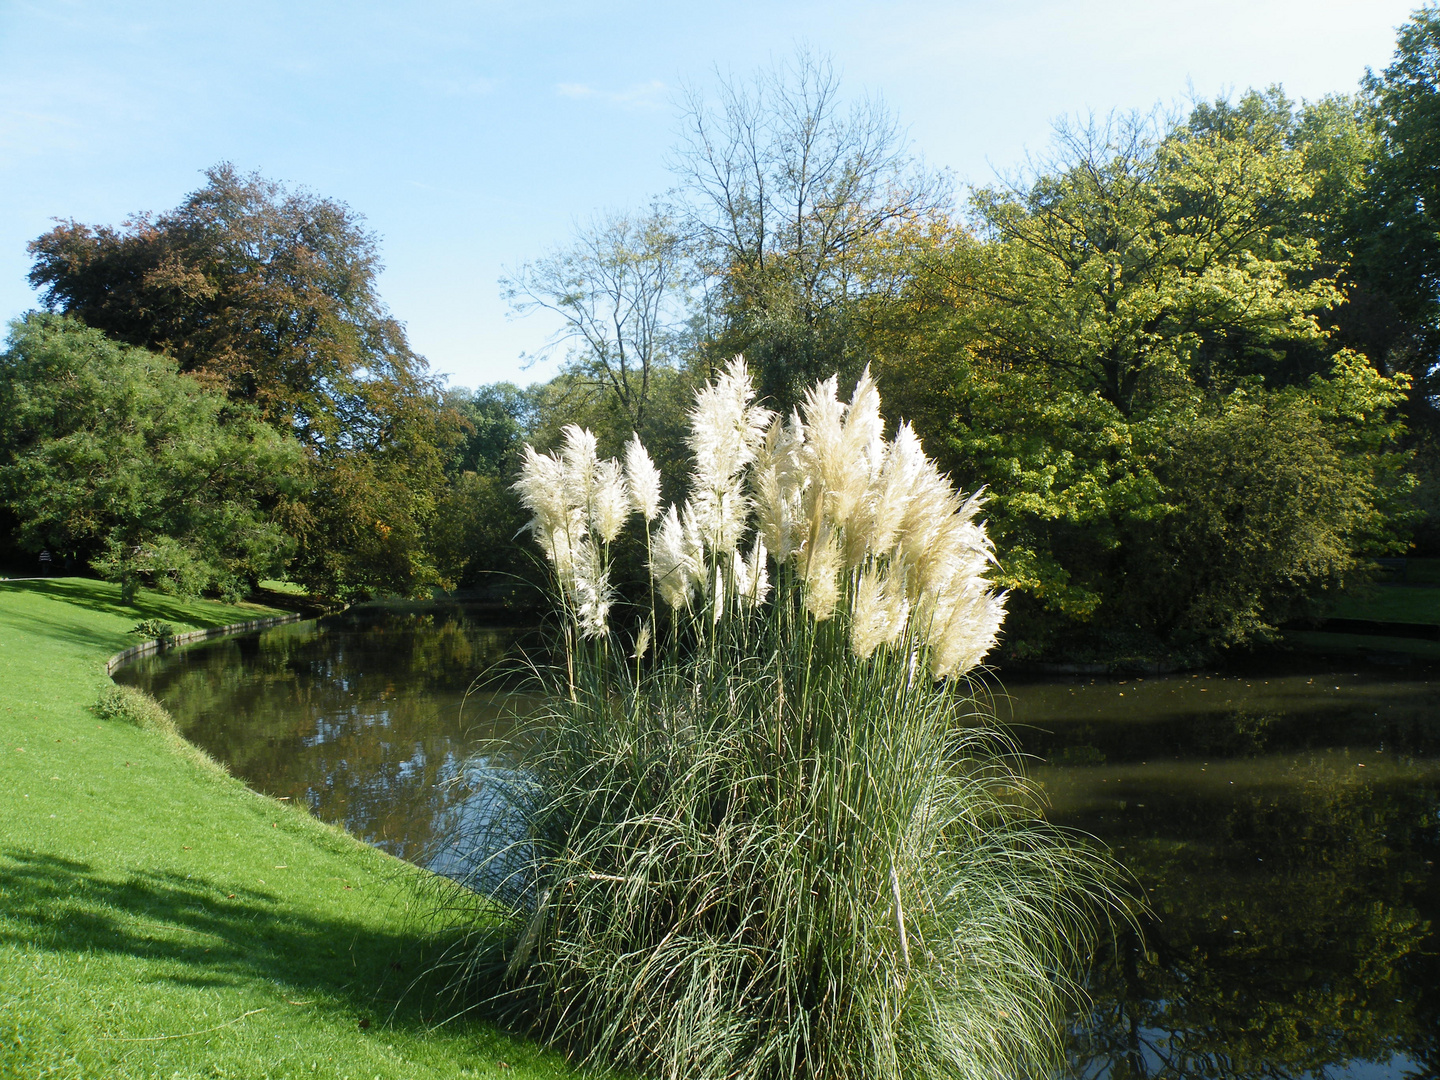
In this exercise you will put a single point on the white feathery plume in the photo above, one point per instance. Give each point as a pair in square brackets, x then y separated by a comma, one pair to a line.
[558, 525]
[905, 462]
[719, 516]
[778, 479]
[577, 455]
[879, 613]
[957, 549]
[964, 628]
[591, 588]
[822, 586]
[718, 597]
[644, 479]
[725, 428]
[824, 438]
[752, 578]
[675, 560]
[564, 551]
[642, 641]
[610, 504]
[844, 452]
[542, 489]
[855, 466]
[926, 516]
[868, 622]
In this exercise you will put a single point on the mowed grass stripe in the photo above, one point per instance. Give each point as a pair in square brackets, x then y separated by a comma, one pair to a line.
[158, 919]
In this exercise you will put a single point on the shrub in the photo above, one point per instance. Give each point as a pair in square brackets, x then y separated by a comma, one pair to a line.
[782, 842]
[134, 706]
[154, 630]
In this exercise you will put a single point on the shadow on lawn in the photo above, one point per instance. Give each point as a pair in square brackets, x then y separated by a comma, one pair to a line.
[63, 632]
[219, 935]
[103, 597]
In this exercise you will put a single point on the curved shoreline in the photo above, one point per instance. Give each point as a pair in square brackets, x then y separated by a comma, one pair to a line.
[150, 648]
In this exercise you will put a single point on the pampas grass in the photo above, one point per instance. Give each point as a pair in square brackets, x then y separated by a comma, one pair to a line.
[778, 841]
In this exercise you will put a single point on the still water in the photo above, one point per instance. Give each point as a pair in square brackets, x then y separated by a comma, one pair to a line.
[1284, 829]
[367, 717]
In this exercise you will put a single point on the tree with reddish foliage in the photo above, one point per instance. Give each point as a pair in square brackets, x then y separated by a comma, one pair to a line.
[269, 295]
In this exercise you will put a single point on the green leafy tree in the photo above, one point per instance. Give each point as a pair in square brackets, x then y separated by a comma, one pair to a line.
[479, 516]
[1395, 233]
[269, 295]
[107, 452]
[1133, 353]
[497, 417]
[1397, 223]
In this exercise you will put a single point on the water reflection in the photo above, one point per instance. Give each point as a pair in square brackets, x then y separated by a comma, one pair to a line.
[363, 717]
[1285, 830]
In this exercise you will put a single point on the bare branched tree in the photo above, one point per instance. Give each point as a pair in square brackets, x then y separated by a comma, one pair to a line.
[618, 289]
[786, 179]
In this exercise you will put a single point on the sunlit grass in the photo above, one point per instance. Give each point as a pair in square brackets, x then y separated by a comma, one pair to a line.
[159, 919]
[1390, 603]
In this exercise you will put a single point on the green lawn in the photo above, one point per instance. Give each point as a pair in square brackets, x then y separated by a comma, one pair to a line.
[283, 587]
[1390, 603]
[1325, 642]
[158, 919]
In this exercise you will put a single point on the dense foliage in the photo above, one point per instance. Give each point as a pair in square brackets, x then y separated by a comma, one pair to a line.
[1133, 353]
[269, 296]
[109, 456]
[1192, 361]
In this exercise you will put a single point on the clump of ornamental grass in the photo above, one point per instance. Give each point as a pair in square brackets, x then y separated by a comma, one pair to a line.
[131, 705]
[768, 834]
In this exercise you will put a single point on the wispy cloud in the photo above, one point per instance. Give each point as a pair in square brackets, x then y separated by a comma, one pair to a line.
[646, 95]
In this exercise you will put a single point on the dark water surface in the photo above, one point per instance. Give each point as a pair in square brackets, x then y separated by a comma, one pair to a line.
[1285, 828]
[366, 717]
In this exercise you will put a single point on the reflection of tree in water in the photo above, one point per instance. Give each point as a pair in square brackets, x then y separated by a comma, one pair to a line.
[1236, 733]
[363, 722]
[1290, 928]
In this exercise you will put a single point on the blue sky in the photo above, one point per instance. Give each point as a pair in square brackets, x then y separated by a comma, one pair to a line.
[473, 135]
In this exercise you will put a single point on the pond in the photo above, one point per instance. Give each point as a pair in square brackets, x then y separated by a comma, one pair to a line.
[1285, 828]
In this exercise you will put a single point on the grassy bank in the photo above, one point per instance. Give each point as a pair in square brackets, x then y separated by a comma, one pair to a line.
[157, 919]
[1411, 600]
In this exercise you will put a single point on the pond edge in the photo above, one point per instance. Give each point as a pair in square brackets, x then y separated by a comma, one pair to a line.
[150, 648]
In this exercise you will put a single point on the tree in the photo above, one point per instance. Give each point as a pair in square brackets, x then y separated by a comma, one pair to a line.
[267, 293]
[1099, 354]
[497, 415]
[269, 296]
[789, 191]
[618, 289]
[107, 452]
[1140, 258]
[1398, 221]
